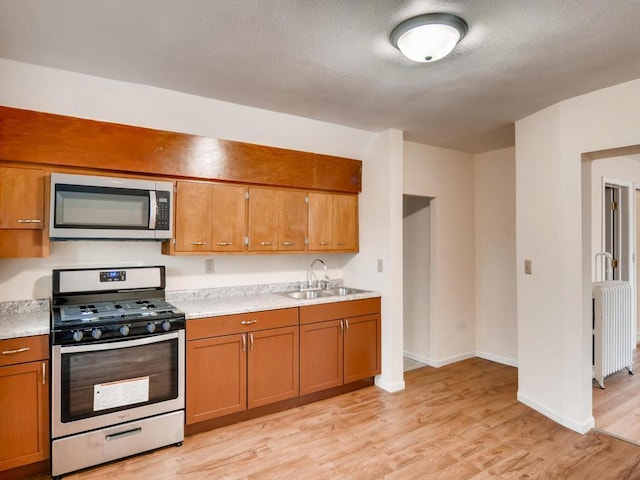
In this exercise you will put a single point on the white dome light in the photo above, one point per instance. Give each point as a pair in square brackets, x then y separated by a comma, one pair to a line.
[430, 37]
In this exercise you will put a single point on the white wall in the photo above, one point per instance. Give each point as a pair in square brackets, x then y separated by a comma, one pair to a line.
[415, 279]
[448, 177]
[495, 248]
[49, 90]
[553, 228]
[381, 217]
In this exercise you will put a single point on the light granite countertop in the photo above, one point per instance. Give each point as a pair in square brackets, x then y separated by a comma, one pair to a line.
[31, 317]
[214, 307]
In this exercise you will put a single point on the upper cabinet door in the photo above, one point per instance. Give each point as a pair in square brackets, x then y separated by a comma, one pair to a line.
[263, 219]
[229, 218]
[345, 222]
[292, 220]
[21, 198]
[320, 221]
[193, 217]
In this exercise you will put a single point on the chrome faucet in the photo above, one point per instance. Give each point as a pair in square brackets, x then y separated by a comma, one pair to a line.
[310, 274]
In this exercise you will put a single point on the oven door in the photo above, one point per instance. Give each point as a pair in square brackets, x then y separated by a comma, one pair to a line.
[103, 384]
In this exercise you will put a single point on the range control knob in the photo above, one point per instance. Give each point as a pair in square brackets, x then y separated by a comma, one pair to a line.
[151, 327]
[124, 330]
[96, 333]
[77, 335]
[166, 325]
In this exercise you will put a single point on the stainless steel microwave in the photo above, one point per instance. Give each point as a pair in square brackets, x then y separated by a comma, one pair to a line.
[106, 208]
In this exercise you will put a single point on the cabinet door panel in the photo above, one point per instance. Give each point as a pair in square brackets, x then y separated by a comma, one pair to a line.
[21, 198]
[345, 222]
[193, 217]
[228, 220]
[292, 220]
[216, 377]
[321, 356]
[24, 403]
[263, 219]
[273, 366]
[361, 347]
[320, 221]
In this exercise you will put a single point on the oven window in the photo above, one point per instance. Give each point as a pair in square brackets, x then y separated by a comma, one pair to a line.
[99, 382]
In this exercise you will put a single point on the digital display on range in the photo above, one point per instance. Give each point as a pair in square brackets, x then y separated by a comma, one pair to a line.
[113, 276]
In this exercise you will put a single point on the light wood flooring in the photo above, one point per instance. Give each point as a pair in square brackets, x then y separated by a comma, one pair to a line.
[616, 409]
[457, 422]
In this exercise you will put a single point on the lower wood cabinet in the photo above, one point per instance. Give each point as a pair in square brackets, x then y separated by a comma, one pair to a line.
[24, 401]
[237, 362]
[339, 344]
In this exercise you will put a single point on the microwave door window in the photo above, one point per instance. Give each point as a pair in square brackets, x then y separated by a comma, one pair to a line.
[96, 207]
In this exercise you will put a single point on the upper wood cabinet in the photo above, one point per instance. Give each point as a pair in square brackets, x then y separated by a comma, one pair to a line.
[277, 220]
[333, 222]
[22, 213]
[209, 218]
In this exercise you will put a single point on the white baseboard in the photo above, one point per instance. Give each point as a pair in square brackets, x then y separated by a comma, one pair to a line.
[498, 358]
[450, 360]
[389, 387]
[417, 358]
[583, 427]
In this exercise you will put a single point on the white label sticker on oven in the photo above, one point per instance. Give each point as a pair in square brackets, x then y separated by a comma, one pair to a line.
[118, 394]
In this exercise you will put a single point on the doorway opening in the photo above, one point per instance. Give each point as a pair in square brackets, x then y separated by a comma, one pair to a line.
[416, 221]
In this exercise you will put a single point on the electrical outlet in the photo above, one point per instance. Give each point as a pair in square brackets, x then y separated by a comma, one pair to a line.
[208, 265]
[380, 266]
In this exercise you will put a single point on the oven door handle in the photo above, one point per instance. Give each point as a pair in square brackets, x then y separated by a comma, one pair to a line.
[113, 345]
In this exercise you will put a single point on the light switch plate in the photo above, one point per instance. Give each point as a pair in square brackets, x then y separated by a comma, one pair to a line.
[208, 265]
[528, 267]
[380, 266]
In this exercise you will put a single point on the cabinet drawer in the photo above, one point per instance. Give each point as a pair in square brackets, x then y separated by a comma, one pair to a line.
[242, 322]
[24, 349]
[338, 310]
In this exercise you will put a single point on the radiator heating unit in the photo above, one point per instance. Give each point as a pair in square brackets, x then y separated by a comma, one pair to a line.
[613, 328]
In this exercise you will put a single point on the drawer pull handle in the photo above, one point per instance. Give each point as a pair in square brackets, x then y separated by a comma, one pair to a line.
[288, 244]
[224, 244]
[126, 433]
[18, 350]
[30, 221]
[198, 243]
[248, 322]
[266, 244]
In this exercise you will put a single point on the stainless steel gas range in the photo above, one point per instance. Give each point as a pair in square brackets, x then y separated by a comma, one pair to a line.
[117, 356]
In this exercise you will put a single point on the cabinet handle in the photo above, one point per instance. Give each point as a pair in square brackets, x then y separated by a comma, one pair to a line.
[223, 244]
[44, 373]
[19, 350]
[251, 342]
[198, 243]
[324, 244]
[346, 323]
[30, 221]
[248, 322]
[266, 244]
[288, 244]
[340, 243]
[341, 328]
[244, 343]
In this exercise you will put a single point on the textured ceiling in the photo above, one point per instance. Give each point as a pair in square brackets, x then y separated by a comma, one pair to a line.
[331, 59]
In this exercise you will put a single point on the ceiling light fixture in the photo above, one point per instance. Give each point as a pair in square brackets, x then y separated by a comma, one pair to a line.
[427, 38]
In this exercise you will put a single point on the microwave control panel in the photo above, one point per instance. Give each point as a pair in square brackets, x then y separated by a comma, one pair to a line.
[163, 200]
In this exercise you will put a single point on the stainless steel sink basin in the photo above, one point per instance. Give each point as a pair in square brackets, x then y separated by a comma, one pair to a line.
[340, 291]
[301, 295]
[311, 294]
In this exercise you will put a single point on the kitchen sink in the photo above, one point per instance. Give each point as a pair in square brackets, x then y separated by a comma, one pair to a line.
[311, 294]
[302, 295]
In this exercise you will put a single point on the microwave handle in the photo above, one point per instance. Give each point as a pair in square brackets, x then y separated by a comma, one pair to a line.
[153, 210]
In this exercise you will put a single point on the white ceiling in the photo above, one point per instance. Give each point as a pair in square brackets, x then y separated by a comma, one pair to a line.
[331, 59]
